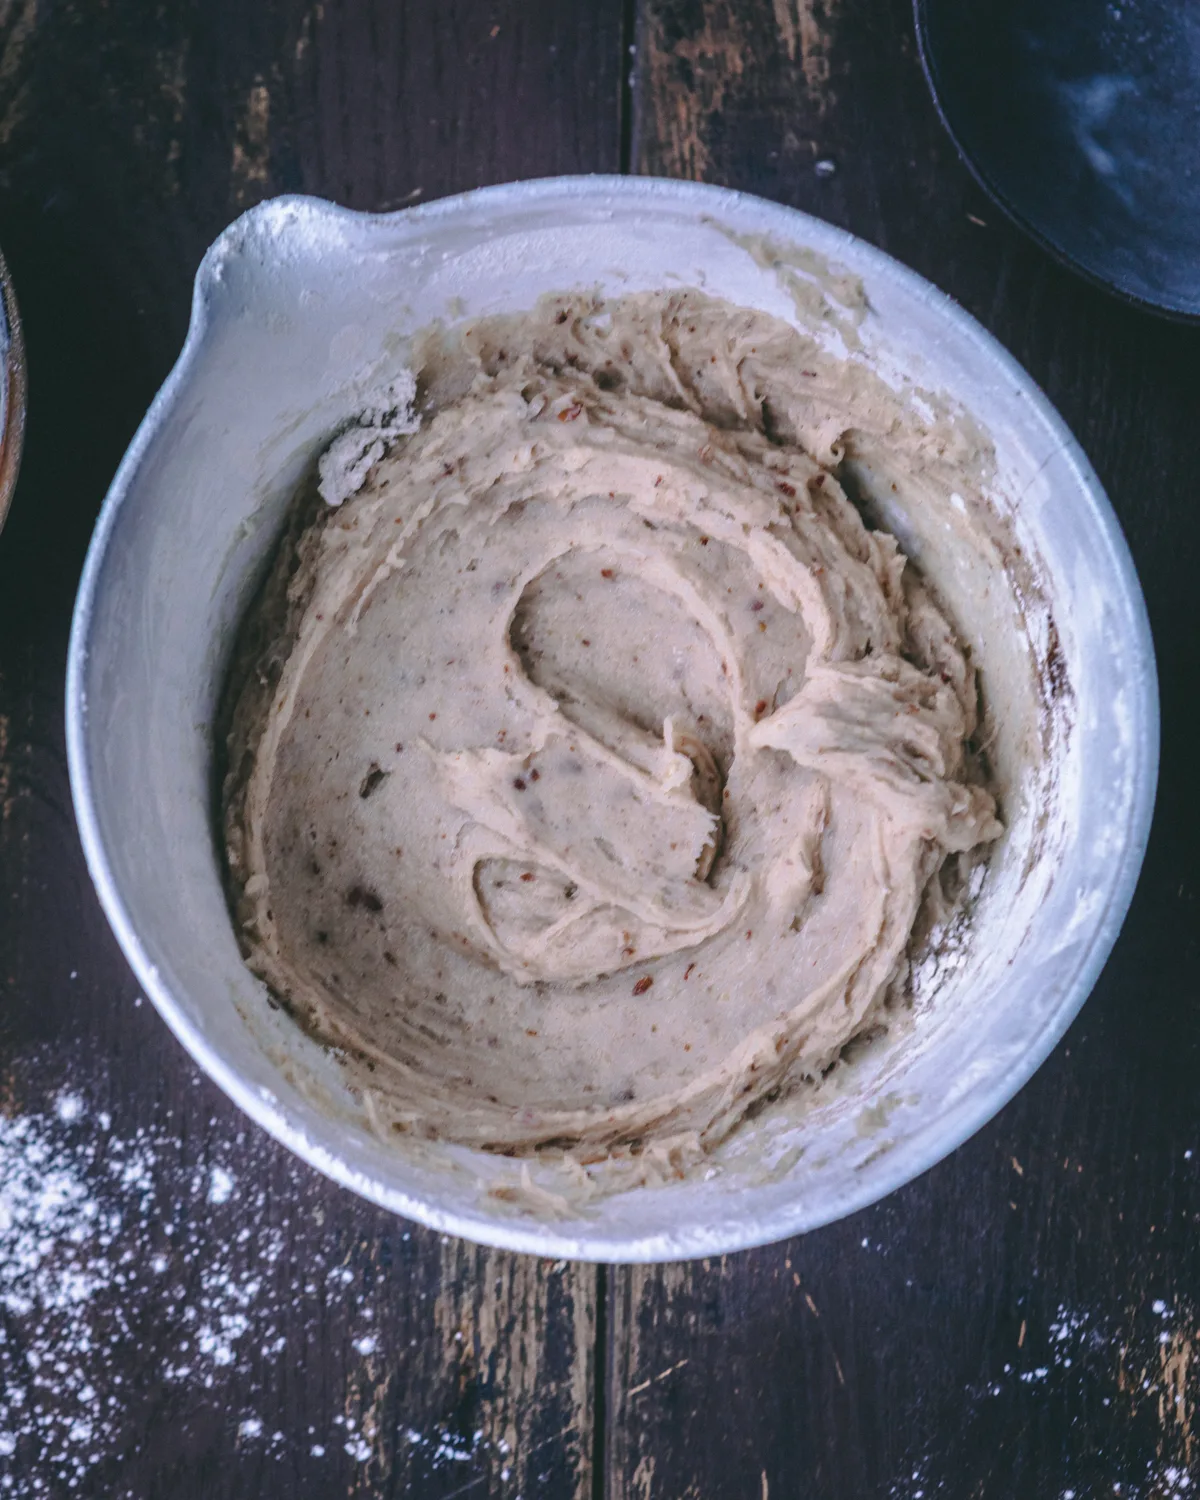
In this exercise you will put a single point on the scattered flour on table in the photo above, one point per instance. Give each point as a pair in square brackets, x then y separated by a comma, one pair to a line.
[114, 1285]
[1143, 1366]
[128, 1272]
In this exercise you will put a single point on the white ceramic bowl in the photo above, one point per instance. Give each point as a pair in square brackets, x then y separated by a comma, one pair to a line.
[301, 309]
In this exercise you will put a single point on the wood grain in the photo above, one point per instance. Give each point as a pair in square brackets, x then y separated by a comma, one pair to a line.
[129, 136]
[1025, 1319]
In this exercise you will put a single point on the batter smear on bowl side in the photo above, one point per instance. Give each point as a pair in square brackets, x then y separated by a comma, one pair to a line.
[597, 768]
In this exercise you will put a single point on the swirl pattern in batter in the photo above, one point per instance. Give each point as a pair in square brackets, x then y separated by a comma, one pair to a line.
[598, 758]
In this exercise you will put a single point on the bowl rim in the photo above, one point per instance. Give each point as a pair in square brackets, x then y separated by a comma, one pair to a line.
[544, 1237]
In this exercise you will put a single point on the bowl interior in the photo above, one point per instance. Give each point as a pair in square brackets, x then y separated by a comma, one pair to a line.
[301, 312]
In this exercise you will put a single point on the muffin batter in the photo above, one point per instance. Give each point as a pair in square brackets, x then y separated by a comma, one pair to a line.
[596, 768]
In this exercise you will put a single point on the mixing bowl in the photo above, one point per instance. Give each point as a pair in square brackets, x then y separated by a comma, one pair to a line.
[301, 312]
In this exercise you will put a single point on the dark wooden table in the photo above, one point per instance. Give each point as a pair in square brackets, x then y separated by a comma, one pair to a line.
[185, 1310]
